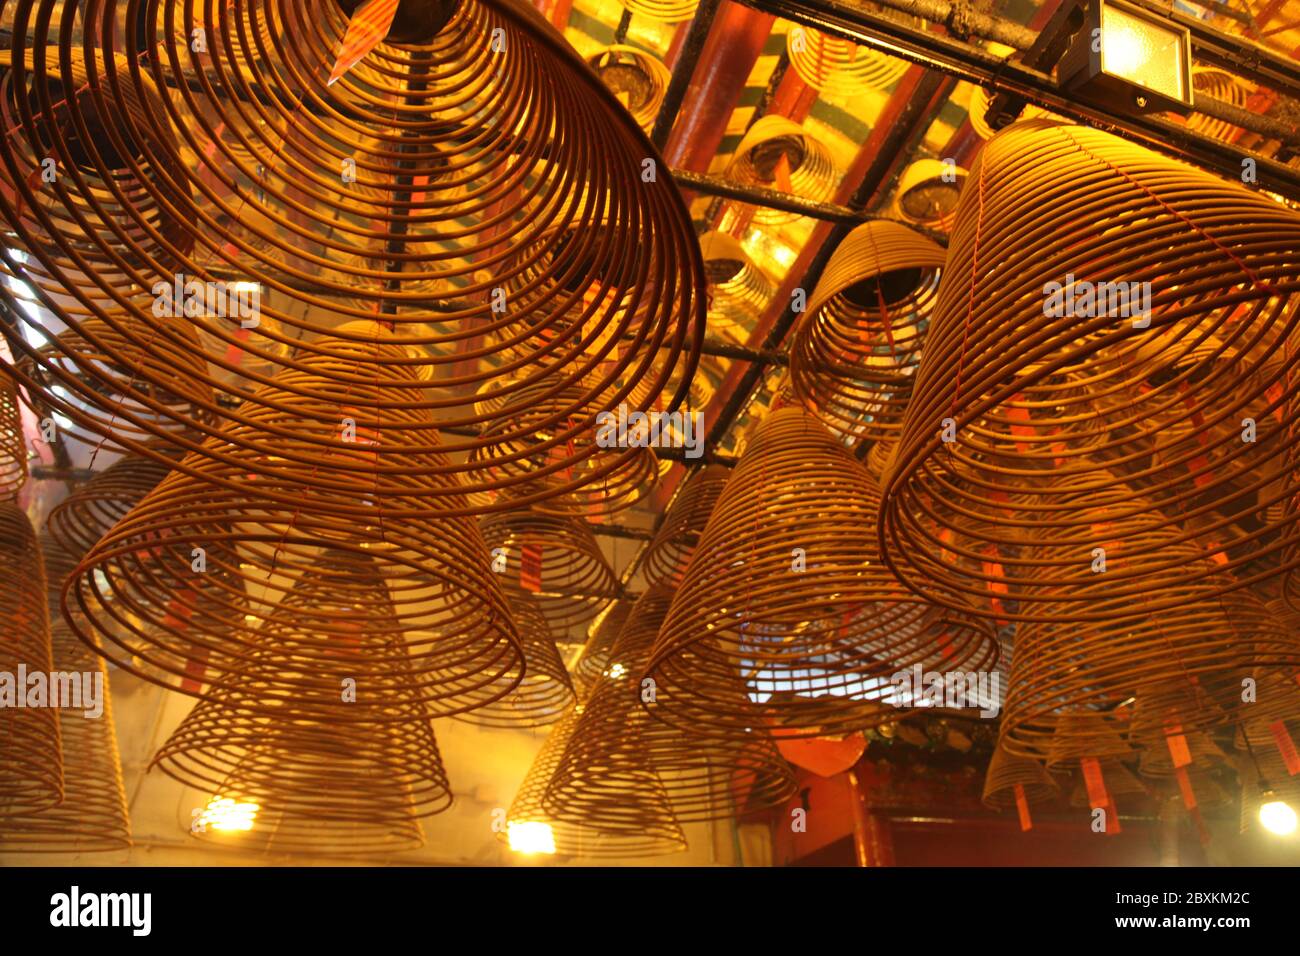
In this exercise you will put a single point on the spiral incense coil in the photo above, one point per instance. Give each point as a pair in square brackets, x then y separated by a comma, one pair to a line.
[546, 689]
[665, 11]
[1143, 218]
[675, 541]
[553, 562]
[13, 444]
[318, 782]
[424, 585]
[1120, 782]
[778, 154]
[878, 458]
[837, 67]
[857, 346]
[786, 596]
[655, 832]
[1007, 771]
[1096, 735]
[1157, 760]
[928, 193]
[1213, 83]
[93, 816]
[81, 519]
[31, 765]
[443, 160]
[636, 78]
[593, 663]
[617, 741]
[738, 289]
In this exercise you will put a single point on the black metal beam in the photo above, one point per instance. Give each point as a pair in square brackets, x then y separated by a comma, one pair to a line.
[683, 70]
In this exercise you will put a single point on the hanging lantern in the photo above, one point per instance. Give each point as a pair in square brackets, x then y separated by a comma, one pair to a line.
[1027, 319]
[857, 347]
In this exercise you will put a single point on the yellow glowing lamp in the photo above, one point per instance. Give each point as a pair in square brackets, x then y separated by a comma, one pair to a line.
[530, 836]
[226, 813]
[1276, 816]
[1129, 58]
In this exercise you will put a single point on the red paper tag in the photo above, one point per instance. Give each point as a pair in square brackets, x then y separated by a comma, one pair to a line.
[530, 568]
[1022, 808]
[1092, 779]
[234, 352]
[1178, 749]
[1286, 746]
[368, 26]
[1185, 787]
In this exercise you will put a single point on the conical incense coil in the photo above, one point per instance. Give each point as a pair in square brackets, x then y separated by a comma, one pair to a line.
[1157, 758]
[679, 533]
[928, 193]
[318, 779]
[1219, 261]
[172, 591]
[617, 741]
[840, 67]
[594, 661]
[86, 515]
[738, 290]
[551, 561]
[31, 766]
[786, 597]
[1184, 665]
[421, 163]
[858, 345]
[650, 827]
[93, 815]
[638, 80]
[546, 689]
[13, 445]
[778, 154]
[1007, 772]
[1075, 737]
[666, 11]
[1120, 782]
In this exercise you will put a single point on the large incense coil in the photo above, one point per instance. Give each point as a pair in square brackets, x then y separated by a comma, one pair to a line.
[546, 689]
[657, 832]
[594, 660]
[84, 516]
[13, 444]
[31, 766]
[1006, 771]
[638, 79]
[319, 785]
[786, 596]
[666, 11]
[617, 740]
[541, 120]
[839, 67]
[93, 815]
[1157, 760]
[776, 153]
[669, 553]
[857, 347]
[738, 290]
[1148, 219]
[1183, 664]
[423, 584]
[571, 580]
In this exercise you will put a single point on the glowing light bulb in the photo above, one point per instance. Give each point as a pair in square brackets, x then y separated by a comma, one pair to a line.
[1276, 816]
[226, 813]
[615, 671]
[530, 836]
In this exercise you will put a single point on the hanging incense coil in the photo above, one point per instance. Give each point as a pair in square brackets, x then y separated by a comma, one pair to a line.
[87, 514]
[593, 663]
[665, 11]
[1007, 771]
[1157, 759]
[857, 347]
[778, 154]
[546, 689]
[172, 591]
[979, 358]
[93, 816]
[31, 765]
[878, 458]
[636, 78]
[552, 562]
[669, 553]
[837, 67]
[617, 741]
[928, 193]
[13, 444]
[738, 289]
[1120, 782]
[786, 596]
[657, 832]
[355, 200]
[318, 784]
[1096, 735]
